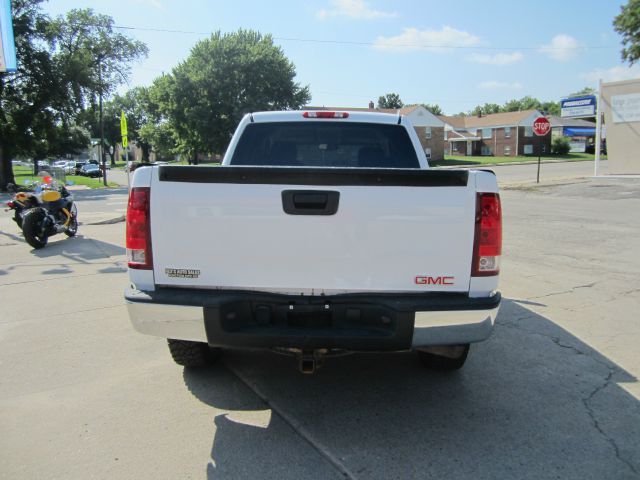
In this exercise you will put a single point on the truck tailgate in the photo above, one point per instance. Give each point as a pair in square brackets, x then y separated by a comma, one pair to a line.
[392, 230]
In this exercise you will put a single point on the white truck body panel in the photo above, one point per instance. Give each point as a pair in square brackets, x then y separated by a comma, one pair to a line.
[380, 239]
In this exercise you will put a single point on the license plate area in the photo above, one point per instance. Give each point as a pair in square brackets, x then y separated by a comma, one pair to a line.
[310, 319]
[311, 323]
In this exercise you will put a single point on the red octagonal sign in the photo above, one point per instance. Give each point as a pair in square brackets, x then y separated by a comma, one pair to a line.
[541, 126]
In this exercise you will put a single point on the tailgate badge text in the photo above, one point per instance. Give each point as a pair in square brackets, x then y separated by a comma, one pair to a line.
[182, 273]
[426, 280]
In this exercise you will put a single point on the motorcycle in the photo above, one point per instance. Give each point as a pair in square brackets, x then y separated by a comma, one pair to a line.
[44, 210]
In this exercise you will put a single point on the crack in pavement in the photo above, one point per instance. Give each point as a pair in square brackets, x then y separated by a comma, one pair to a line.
[612, 370]
[571, 290]
[596, 424]
[295, 426]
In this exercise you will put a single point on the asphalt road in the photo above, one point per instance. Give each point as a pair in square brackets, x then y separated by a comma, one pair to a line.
[552, 394]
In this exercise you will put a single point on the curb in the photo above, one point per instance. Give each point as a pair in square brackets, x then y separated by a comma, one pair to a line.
[532, 162]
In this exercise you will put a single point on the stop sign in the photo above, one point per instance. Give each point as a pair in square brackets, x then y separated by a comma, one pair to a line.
[541, 126]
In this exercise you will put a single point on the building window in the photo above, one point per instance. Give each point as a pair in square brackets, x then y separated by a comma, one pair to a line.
[484, 150]
[486, 133]
[528, 149]
[528, 131]
[427, 133]
[507, 132]
[507, 149]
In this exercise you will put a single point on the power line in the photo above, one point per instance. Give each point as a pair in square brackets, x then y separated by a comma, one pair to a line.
[373, 44]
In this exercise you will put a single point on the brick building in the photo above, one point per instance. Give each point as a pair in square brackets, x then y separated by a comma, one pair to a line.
[499, 134]
[429, 128]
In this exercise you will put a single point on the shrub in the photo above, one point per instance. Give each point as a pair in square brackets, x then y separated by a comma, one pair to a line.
[560, 145]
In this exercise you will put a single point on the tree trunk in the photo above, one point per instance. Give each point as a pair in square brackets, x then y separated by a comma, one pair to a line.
[146, 151]
[195, 157]
[6, 170]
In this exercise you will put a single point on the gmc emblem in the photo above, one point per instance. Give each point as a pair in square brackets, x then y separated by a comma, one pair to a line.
[426, 280]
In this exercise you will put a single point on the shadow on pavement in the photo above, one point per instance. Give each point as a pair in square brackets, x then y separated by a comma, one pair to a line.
[79, 249]
[72, 251]
[532, 402]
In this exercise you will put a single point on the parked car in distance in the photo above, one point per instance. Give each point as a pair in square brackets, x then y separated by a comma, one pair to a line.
[91, 170]
[78, 166]
[64, 165]
[107, 164]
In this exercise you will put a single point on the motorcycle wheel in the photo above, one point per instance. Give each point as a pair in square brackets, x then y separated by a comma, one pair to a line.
[18, 218]
[32, 230]
[72, 229]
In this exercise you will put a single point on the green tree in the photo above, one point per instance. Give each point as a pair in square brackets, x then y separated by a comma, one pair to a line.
[225, 77]
[477, 111]
[560, 145]
[489, 108]
[390, 100]
[63, 65]
[550, 108]
[135, 104]
[516, 105]
[37, 114]
[627, 24]
[584, 91]
[100, 58]
[159, 130]
[433, 108]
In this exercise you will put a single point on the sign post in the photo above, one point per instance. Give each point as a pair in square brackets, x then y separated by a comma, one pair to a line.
[125, 145]
[541, 127]
[598, 141]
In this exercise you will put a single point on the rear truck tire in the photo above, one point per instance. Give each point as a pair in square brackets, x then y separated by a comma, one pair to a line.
[31, 228]
[445, 358]
[193, 354]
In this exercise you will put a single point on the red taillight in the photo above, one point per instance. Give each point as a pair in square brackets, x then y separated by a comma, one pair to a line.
[323, 114]
[139, 229]
[487, 245]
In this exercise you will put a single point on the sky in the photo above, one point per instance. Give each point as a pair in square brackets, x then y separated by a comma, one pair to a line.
[457, 54]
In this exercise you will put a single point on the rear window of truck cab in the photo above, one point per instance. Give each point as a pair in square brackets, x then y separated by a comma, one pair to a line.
[325, 144]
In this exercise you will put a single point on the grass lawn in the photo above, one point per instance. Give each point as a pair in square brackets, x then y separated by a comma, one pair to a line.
[25, 173]
[490, 160]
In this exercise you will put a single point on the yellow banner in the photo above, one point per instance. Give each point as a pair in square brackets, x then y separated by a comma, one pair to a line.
[123, 124]
[123, 129]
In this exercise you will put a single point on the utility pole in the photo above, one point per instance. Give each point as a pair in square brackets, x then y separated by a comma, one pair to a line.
[102, 155]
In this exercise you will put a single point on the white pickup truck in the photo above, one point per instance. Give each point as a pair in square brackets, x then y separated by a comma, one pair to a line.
[321, 232]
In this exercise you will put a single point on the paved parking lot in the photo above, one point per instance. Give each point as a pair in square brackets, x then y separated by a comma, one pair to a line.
[553, 394]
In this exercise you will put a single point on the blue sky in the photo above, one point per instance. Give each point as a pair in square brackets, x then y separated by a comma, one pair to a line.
[457, 53]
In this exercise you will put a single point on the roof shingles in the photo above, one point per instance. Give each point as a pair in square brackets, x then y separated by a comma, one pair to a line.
[494, 119]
